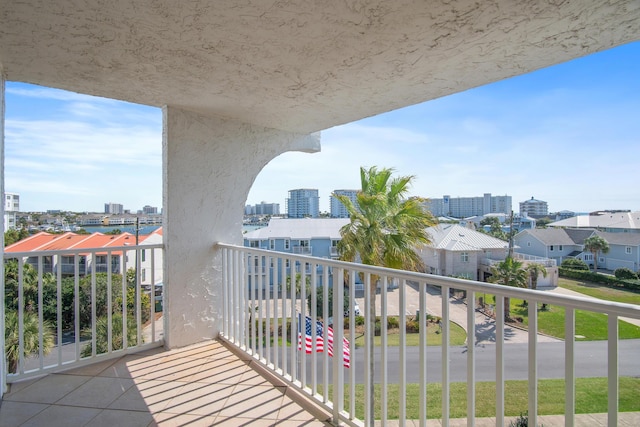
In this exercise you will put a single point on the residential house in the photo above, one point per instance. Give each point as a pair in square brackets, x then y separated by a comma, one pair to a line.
[614, 222]
[561, 243]
[316, 237]
[459, 251]
[86, 249]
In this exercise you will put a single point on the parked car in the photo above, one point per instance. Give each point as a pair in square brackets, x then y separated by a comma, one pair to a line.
[356, 309]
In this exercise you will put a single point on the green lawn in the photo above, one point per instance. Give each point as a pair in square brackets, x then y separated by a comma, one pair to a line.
[599, 291]
[434, 337]
[589, 326]
[591, 397]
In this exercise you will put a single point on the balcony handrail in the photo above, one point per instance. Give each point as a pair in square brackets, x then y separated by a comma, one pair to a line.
[252, 316]
[71, 337]
[619, 309]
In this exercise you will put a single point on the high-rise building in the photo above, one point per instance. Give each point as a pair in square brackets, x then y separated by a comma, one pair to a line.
[262, 208]
[149, 210]
[302, 203]
[534, 207]
[463, 207]
[113, 208]
[11, 206]
[337, 208]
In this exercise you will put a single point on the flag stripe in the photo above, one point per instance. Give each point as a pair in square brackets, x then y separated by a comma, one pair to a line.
[319, 344]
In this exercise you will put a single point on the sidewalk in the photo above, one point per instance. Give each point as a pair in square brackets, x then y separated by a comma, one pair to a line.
[563, 291]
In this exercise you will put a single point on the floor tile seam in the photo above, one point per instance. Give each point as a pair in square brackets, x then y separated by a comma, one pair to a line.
[100, 407]
[87, 379]
[168, 409]
[46, 406]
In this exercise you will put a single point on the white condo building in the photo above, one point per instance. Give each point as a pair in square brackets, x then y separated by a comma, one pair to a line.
[534, 207]
[337, 208]
[302, 203]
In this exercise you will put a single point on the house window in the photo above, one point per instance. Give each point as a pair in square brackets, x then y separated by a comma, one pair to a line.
[144, 255]
[254, 243]
[272, 244]
[464, 256]
[551, 248]
[588, 257]
[559, 247]
[287, 264]
[627, 250]
[287, 244]
[304, 243]
[529, 244]
[144, 274]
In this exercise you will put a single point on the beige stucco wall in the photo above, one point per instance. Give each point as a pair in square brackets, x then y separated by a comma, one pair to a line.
[209, 166]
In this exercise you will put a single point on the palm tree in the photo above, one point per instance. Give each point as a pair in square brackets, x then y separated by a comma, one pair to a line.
[595, 244]
[385, 229]
[509, 273]
[535, 270]
[31, 333]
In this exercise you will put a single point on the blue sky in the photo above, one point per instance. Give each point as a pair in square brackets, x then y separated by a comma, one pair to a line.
[568, 134]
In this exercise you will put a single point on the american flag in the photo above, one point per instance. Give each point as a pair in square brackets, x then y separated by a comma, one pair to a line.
[319, 346]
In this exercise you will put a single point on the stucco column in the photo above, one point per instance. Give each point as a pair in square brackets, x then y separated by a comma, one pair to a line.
[209, 165]
[3, 364]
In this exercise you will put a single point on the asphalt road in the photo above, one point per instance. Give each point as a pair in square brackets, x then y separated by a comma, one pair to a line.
[591, 361]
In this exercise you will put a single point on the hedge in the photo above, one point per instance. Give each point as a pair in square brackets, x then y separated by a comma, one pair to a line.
[589, 276]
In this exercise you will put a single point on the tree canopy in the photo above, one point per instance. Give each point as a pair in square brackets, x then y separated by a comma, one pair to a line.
[596, 244]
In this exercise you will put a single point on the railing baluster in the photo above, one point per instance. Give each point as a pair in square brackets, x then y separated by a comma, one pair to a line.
[612, 370]
[110, 306]
[422, 322]
[368, 356]
[268, 300]
[314, 315]
[445, 331]
[499, 361]
[325, 355]
[352, 342]
[338, 355]
[533, 362]
[471, 358]
[402, 380]
[302, 354]
[383, 351]
[569, 367]
[21, 308]
[40, 318]
[76, 268]
[138, 293]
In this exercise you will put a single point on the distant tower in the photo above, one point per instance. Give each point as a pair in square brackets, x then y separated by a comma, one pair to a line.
[113, 208]
[338, 209]
[534, 207]
[303, 202]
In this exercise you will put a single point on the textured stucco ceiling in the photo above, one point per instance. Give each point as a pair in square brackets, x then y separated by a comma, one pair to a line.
[297, 65]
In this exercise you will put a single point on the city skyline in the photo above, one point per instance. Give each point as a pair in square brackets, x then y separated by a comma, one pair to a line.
[566, 134]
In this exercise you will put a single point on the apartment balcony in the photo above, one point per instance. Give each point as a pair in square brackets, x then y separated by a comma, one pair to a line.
[301, 250]
[252, 373]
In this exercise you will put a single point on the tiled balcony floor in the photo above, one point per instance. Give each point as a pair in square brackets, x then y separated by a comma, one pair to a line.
[201, 385]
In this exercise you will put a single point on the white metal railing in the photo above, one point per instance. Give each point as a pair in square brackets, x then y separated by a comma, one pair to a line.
[259, 322]
[68, 318]
[545, 262]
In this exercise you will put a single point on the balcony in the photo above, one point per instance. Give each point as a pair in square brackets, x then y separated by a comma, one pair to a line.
[210, 381]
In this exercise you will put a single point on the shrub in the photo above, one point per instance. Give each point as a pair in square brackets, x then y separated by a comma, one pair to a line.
[413, 326]
[574, 264]
[392, 322]
[625, 273]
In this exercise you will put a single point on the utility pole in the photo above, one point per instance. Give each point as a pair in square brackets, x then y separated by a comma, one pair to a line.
[510, 255]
